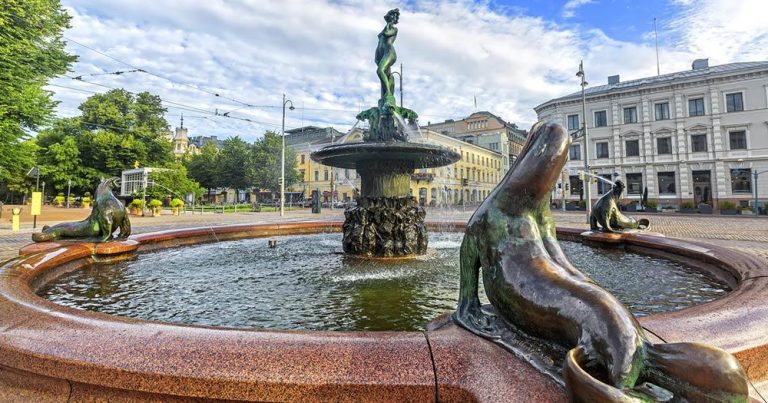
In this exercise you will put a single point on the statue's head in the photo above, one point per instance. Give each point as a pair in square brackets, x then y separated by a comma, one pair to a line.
[618, 187]
[111, 183]
[392, 16]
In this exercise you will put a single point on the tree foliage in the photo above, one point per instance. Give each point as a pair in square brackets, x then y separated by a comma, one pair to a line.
[234, 163]
[204, 167]
[265, 165]
[173, 182]
[31, 52]
[116, 130]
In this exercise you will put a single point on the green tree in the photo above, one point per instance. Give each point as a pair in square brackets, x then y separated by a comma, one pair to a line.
[134, 124]
[31, 52]
[234, 164]
[266, 163]
[173, 182]
[204, 167]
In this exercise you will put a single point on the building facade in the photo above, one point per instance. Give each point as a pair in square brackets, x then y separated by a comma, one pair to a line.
[697, 135]
[468, 181]
[486, 130]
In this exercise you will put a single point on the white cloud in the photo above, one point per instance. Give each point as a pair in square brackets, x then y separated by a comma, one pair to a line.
[569, 9]
[320, 53]
[722, 30]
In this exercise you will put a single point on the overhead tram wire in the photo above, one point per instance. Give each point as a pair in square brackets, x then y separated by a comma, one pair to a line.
[172, 104]
[216, 94]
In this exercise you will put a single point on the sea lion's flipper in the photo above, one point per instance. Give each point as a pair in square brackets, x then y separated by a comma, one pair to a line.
[125, 228]
[696, 372]
[469, 314]
[584, 388]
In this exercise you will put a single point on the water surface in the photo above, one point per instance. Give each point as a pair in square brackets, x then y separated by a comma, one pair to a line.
[305, 283]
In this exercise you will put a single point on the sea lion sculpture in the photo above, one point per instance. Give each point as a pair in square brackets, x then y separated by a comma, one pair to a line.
[107, 216]
[533, 288]
[606, 213]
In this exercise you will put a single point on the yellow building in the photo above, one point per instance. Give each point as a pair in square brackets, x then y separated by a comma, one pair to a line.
[468, 181]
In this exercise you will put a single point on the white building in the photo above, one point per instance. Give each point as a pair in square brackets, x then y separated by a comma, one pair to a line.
[695, 135]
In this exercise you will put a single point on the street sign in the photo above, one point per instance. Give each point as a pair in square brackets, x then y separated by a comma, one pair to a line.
[34, 172]
[37, 202]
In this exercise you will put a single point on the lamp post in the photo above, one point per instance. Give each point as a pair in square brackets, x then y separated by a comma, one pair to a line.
[400, 75]
[584, 84]
[282, 159]
[755, 175]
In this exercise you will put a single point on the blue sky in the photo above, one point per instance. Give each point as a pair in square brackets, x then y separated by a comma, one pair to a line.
[511, 55]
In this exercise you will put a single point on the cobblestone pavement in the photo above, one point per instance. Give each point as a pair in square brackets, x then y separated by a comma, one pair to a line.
[745, 233]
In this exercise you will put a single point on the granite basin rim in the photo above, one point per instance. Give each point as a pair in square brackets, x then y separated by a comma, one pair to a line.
[138, 356]
[352, 155]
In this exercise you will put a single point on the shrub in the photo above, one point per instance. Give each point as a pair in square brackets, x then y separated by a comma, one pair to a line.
[137, 203]
[177, 203]
[155, 204]
[582, 204]
[651, 203]
[687, 204]
[727, 205]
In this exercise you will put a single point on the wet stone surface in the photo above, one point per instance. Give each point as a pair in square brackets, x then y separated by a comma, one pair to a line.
[306, 283]
[385, 226]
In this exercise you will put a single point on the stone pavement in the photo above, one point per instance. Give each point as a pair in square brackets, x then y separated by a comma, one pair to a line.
[745, 233]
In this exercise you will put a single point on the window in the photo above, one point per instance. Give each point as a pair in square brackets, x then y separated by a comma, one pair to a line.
[317, 176]
[601, 120]
[667, 183]
[696, 107]
[574, 153]
[325, 175]
[734, 102]
[576, 184]
[632, 148]
[698, 143]
[573, 122]
[301, 174]
[741, 180]
[603, 186]
[662, 111]
[738, 140]
[302, 158]
[664, 145]
[630, 115]
[635, 184]
[601, 149]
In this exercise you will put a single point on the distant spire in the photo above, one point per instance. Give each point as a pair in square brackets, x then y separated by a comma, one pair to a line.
[182, 120]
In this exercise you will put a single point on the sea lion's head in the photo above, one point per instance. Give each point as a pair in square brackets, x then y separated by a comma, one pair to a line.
[542, 158]
[617, 188]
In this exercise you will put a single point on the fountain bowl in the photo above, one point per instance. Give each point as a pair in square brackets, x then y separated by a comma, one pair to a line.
[355, 155]
[49, 351]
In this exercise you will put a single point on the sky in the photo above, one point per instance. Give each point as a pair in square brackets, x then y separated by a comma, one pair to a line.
[238, 57]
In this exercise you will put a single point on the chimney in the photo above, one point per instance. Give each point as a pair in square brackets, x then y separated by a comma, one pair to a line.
[613, 79]
[700, 64]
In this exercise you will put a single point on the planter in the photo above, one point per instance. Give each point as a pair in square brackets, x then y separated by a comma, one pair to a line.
[156, 212]
[705, 209]
[730, 211]
[632, 207]
[690, 210]
[86, 205]
[175, 211]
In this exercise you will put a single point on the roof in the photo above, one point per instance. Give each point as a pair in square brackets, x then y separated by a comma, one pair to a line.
[722, 69]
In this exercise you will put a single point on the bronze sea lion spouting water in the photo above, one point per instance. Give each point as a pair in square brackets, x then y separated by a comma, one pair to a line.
[107, 216]
[534, 288]
[606, 213]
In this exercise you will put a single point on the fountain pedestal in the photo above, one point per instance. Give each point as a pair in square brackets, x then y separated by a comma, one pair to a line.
[387, 221]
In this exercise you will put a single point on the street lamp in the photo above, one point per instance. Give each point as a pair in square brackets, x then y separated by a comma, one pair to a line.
[282, 159]
[755, 175]
[584, 84]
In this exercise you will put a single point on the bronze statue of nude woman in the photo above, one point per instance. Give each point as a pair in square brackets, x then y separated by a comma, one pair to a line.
[386, 56]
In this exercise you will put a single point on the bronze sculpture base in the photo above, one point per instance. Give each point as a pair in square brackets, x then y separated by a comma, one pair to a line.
[385, 227]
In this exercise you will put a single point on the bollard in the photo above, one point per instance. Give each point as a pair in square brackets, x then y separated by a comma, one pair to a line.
[15, 226]
[272, 243]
